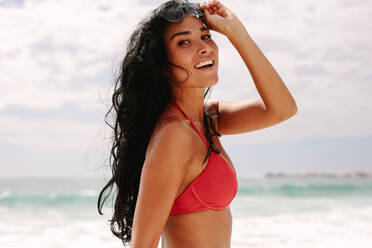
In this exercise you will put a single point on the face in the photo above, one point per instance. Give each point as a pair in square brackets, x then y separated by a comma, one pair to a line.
[188, 43]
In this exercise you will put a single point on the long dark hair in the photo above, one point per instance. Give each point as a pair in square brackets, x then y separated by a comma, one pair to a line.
[141, 93]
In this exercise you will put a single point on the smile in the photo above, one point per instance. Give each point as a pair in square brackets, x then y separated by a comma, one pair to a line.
[205, 65]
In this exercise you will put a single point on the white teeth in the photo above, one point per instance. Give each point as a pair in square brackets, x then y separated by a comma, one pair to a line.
[208, 62]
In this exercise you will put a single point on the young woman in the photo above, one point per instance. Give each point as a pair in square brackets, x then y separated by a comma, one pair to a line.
[172, 175]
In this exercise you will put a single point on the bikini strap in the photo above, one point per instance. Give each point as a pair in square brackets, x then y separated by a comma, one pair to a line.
[179, 108]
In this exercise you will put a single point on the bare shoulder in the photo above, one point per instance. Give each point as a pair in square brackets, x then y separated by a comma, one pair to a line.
[165, 166]
[169, 154]
[171, 137]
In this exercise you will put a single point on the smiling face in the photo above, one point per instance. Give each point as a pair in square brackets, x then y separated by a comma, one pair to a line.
[188, 43]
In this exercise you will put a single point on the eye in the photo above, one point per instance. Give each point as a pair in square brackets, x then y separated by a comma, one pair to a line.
[208, 37]
[181, 42]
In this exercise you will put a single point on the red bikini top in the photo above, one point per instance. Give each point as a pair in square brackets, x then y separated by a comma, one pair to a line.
[214, 188]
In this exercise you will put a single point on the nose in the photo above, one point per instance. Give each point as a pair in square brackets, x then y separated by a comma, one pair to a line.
[204, 48]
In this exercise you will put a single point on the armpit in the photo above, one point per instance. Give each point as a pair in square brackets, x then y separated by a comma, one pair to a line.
[212, 115]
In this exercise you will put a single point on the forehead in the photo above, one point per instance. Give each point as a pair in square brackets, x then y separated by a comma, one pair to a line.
[188, 23]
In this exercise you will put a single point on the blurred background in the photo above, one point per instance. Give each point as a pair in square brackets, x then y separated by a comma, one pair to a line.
[306, 182]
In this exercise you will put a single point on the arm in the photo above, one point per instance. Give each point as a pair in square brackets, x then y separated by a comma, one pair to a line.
[275, 95]
[163, 171]
[241, 116]
[276, 103]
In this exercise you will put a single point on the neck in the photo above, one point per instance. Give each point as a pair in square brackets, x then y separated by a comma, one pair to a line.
[193, 105]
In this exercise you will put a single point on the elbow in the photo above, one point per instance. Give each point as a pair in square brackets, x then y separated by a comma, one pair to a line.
[291, 109]
[288, 114]
[294, 110]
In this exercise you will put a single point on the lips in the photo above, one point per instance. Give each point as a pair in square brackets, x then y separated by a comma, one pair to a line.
[204, 69]
[205, 61]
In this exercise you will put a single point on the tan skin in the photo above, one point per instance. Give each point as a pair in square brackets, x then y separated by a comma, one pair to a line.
[175, 154]
[187, 50]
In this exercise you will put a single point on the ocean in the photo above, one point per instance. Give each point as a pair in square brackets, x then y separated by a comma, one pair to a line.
[271, 210]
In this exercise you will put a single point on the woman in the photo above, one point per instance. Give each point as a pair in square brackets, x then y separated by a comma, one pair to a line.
[172, 175]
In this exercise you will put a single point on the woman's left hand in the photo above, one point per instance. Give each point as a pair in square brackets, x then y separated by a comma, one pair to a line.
[217, 17]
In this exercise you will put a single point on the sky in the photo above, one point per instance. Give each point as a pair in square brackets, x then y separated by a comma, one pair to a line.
[58, 61]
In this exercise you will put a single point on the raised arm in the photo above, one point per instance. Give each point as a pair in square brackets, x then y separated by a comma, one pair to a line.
[275, 96]
[163, 171]
[276, 103]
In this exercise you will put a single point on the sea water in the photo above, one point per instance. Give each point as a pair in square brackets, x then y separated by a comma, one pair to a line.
[269, 211]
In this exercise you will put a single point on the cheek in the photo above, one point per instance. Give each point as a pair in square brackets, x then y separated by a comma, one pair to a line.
[215, 50]
[215, 47]
[182, 56]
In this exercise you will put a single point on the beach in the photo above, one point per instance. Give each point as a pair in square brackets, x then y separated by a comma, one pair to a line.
[271, 210]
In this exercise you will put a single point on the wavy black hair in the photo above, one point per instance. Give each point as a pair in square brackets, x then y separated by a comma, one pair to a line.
[141, 93]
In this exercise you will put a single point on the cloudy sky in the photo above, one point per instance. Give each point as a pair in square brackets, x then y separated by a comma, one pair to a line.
[58, 60]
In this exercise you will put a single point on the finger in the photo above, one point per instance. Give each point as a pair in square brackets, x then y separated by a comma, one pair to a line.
[209, 10]
[213, 10]
[218, 8]
[203, 5]
[218, 4]
[205, 19]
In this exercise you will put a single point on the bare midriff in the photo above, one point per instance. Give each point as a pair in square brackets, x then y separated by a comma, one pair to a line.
[210, 228]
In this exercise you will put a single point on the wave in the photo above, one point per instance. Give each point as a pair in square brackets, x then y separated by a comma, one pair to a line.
[264, 188]
[309, 190]
[9, 198]
[311, 174]
[355, 174]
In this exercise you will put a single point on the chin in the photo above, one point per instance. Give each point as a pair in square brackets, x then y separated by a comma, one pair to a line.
[213, 81]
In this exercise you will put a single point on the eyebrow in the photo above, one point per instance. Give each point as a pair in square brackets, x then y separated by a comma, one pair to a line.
[188, 32]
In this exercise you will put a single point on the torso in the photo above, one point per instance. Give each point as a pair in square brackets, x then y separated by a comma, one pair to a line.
[189, 230]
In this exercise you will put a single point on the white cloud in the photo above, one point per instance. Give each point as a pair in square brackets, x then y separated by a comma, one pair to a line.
[65, 52]
[321, 51]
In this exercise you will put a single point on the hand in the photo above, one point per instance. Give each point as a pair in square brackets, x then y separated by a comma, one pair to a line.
[217, 17]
